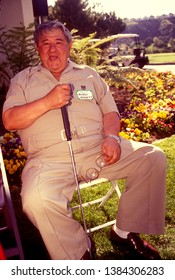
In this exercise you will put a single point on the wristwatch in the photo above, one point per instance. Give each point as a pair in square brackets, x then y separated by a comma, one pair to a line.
[117, 138]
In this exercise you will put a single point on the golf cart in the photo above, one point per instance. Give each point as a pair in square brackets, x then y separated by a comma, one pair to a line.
[125, 50]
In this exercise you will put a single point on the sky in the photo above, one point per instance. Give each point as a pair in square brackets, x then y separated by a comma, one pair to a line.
[133, 8]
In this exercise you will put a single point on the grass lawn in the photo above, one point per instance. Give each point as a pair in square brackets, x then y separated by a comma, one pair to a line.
[34, 247]
[161, 58]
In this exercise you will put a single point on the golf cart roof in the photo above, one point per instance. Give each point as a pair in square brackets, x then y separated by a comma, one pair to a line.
[117, 36]
[122, 36]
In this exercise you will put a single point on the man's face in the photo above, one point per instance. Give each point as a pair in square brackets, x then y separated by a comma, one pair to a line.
[54, 49]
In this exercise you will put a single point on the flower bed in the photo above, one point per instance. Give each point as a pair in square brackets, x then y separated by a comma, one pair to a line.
[148, 112]
[14, 157]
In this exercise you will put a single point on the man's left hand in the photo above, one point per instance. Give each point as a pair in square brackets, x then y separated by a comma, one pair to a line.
[111, 150]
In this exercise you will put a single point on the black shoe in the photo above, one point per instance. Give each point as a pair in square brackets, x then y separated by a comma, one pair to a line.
[142, 247]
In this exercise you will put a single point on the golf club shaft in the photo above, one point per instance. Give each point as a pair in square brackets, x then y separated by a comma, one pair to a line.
[66, 123]
[69, 138]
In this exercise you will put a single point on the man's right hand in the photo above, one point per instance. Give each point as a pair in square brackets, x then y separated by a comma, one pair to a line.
[58, 97]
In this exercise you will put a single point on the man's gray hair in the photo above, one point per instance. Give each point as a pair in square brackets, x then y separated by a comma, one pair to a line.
[50, 25]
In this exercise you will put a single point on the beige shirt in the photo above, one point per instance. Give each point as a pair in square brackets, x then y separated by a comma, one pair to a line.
[91, 100]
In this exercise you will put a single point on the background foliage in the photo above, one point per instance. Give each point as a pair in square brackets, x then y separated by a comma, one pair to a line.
[77, 14]
[17, 51]
[157, 33]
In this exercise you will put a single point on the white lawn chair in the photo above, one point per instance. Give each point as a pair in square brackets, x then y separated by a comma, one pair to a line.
[8, 215]
[102, 200]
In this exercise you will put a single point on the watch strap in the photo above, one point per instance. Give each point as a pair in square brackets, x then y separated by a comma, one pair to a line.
[117, 138]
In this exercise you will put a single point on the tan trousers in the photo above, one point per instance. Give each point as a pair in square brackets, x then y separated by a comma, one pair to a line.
[48, 186]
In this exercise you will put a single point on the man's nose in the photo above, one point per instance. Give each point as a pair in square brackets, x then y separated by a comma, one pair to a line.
[52, 47]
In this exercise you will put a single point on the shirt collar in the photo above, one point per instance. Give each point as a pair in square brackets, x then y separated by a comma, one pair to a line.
[71, 65]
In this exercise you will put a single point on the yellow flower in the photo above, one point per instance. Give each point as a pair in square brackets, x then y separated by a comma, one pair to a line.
[17, 162]
[124, 135]
[8, 166]
[137, 131]
[15, 167]
[11, 161]
[23, 154]
[127, 121]
[147, 135]
[18, 155]
[6, 161]
[162, 114]
[131, 125]
[138, 138]
[11, 171]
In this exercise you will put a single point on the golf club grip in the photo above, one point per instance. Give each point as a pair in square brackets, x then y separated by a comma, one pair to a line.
[66, 122]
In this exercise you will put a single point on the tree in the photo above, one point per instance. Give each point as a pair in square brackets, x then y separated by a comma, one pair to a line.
[76, 14]
[148, 42]
[108, 24]
[166, 28]
[171, 44]
[158, 43]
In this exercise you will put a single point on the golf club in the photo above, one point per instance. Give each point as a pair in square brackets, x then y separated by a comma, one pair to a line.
[69, 138]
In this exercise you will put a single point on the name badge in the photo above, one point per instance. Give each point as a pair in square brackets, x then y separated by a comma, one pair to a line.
[85, 94]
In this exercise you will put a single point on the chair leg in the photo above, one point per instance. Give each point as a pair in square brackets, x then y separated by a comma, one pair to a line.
[102, 200]
[113, 188]
[110, 223]
[114, 183]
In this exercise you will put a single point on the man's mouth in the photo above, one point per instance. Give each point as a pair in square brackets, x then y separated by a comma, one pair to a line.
[53, 57]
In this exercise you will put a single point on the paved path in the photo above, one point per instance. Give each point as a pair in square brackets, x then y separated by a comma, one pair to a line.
[161, 68]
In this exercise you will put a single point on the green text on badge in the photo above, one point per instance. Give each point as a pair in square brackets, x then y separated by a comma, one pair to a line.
[85, 94]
